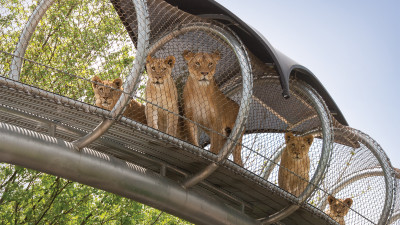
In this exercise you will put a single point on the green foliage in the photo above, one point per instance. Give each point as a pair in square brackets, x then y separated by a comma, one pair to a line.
[31, 197]
[75, 39]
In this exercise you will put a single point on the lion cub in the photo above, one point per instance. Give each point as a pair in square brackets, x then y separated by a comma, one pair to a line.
[205, 104]
[161, 91]
[295, 164]
[106, 98]
[338, 208]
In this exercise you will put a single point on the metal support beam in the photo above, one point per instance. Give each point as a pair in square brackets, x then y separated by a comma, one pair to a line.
[58, 157]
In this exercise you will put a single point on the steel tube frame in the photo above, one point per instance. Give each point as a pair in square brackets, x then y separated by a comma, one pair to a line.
[247, 85]
[58, 157]
[387, 170]
[132, 79]
[349, 180]
[326, 124]
[25, 37]
[389, 183]
[57, 125]
[131, 82]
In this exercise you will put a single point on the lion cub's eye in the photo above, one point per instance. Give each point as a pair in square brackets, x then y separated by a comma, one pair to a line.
[303, 146]
[210, 64]
[293, 145]
[101, 89]
[197, 64]
[163, 69]
[153, 68]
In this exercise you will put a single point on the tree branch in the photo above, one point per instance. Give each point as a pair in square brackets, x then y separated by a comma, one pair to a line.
[11, 178]
[56, 193]
[86, 219]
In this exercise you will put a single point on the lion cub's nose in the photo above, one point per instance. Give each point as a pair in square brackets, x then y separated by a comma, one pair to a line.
[204, 73]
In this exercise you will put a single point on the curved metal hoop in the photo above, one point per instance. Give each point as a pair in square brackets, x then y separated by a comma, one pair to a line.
[25, 37]
[131, 82]
[133, 78]
[326, 126]
[247, 81]
[386, 171]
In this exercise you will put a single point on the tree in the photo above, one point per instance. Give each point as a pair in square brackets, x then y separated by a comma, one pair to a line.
[75, 39]
[31, 197]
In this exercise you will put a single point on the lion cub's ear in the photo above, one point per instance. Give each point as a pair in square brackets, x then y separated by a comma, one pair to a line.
[309, 139]
[96, 79]
[331, 200]
[170, 60]
[149, 59]
[288, 136]
[348, 202]
[188, 55]
[118, 83]
[216, 55]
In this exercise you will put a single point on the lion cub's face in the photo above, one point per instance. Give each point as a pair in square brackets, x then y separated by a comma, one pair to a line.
[159, 69]
[106, 96]
[339, 207]
[298, 147]
[202, 65]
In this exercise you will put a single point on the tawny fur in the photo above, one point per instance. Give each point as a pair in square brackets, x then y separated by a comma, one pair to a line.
[338, 208]
[106, 98]
[161, 91]
[295, 164]
[205, 104]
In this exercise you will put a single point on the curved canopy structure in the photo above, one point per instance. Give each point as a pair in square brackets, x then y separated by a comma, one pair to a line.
[216, 158]
[261, 48]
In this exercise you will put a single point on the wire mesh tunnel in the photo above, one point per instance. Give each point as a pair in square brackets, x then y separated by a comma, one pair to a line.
[186, 90]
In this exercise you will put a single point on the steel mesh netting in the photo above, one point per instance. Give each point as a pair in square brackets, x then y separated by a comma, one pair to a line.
[78, 40]
[395, 219]
[270, 118]
[359, 170]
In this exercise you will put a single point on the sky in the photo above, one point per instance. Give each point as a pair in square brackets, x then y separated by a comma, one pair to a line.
[353, 47]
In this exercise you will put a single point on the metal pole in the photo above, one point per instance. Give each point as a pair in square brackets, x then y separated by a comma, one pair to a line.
[133, 78]
[55, 156]
[25, 37]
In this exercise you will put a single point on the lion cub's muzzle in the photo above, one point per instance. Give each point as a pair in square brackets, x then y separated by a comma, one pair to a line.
[105, 102]
[296, 156]
[204, 77]
[158, 82]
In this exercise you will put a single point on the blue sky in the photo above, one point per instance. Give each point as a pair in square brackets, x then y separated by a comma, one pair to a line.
[353, 47]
